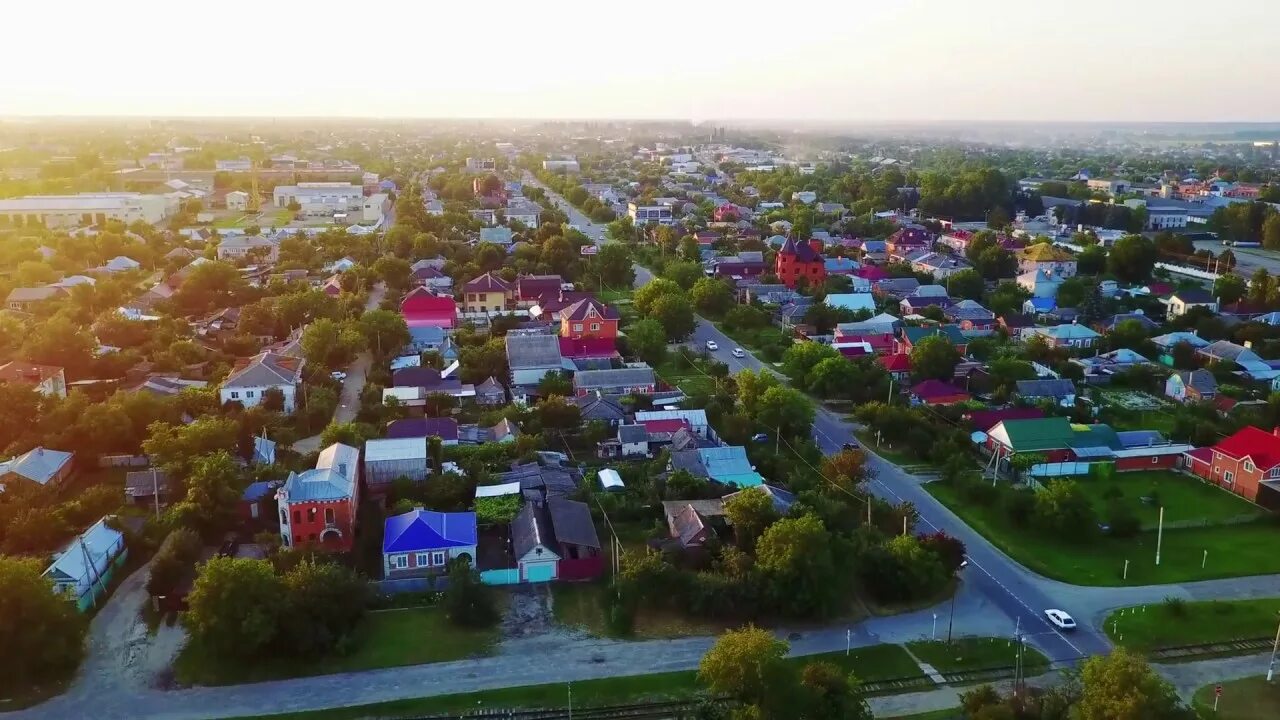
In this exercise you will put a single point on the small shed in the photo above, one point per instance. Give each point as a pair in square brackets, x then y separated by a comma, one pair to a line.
[389, 458]
[610, 480]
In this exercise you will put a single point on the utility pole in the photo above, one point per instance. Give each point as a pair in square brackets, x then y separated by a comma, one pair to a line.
[155, 489]
[1274, 645]
[1159, 535]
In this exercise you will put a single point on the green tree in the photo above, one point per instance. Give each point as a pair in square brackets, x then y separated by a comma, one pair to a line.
[750, 512]
[212, 495]
[176, 556]
[1072, 292]
[832, 377]
[646, 339]
[802, 357]
[324, 603]
[786, 410]
[556, 413]
[749, 666]
[684, 274]
[752, 386]
[468, 602]
[235, 606]
[1122, 686]
[711, 296]
[612, 266]
[1063, 509]
[675, 314]
[393, 271]
[1092, 261]
[1132, 258]
[330, 344]
[966, 284]
[385, 331]
[646, 296]
[797, 557]
[555, 383]
[1271, 231]
[1230, 288]
[827, 693]
[41, 632]
[934, 357]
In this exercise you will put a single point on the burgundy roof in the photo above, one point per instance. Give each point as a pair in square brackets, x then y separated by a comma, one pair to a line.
[872, 272]
[801, 251]
[936, 389]
[578, 310]
[488, 282]
[984, 420]
[532, 287]
[898, 362]
[582, 348]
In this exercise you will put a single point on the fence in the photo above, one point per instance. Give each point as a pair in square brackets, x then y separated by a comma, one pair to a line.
[503, 576]
[113, 461]
[409, 585]
[1050, 470]
[581, 568]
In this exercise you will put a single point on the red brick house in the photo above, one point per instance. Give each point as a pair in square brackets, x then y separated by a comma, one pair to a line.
[800, 260]
[1243, 462]
[318, 506]
[423, 308]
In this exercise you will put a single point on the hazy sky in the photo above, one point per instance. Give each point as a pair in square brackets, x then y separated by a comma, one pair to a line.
[838, 60]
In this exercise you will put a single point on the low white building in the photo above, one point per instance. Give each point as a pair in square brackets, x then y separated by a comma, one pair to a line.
[376, 207]
[645, 214]
[61, 211]
[238, 200]
[562, 166]
[252, 378]
[320, 198]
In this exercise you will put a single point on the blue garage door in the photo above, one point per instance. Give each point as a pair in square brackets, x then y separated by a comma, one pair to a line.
[539, 571]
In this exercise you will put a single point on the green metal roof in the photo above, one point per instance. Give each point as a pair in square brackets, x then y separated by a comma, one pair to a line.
[1051, 433]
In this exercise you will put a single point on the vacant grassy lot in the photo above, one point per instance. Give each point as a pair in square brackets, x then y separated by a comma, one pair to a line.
[1233, 550]
[975, 653]
[1186, 500]
[1247, 699]
[386, 639]
[1172, 624]
[879, 662]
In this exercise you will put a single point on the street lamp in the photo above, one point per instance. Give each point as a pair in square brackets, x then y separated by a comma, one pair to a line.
[951, 620]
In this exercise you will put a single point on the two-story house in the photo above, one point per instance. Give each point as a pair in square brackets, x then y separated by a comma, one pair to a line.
[588, 330]
[1242, 462]
[487, 293]
[318, 506]
[797, 260]
[250, 379]
[1043, 257]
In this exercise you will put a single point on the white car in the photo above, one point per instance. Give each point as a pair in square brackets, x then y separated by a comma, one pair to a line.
[338, 375]
[712, 346]
[1060, 619]
[737, 352]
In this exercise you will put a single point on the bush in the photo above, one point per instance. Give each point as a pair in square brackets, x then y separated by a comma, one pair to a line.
[1176, 606]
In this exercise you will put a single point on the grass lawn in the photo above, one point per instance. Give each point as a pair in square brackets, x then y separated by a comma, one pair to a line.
[1234, 550]
[1185, 499]
[233, 221]
[615, 296]
[578, 605]
[1170, 625]
[974, 653]
[1247, 699]
[687, 379]
[867, 439]
[386, 639]
[879, 662]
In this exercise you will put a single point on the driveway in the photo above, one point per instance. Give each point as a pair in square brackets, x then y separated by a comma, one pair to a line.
[349, 397]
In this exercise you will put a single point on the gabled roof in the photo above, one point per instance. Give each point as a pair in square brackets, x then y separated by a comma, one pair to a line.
[950, 332]
[1044, 252]
[38, 464]
[583, 308]
[1060, 388]
[1034, 434]
[265, 369]
[487, 282]
[100, 542]
[1194, 296]
[423, 427]
[333, 478]
[533, 351]
[621, 377]
[420, 530]
[27, 373]
[898, 362]
[1201, 380]
[584, 348]
[1068, 331]
[936, 389]
[1260, 446]
[984, 420]
[532, 287]
[572, 523]
[532, 528]
[800, 251]
[782, 499]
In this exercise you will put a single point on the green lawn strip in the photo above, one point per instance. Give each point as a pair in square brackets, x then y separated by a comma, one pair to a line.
[1185, 499]
[1163, 625]
[974, 653]
[878, 662]
[385, 639]
[1234, 550]
[898, 457]
[1245, 699]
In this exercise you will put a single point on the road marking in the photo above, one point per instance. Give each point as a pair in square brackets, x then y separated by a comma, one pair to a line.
[1028, 608]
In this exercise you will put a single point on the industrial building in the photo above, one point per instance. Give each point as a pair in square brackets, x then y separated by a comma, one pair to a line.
[63, 211]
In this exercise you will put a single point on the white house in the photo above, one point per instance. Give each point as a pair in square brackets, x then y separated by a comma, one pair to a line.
[808, 197]
[238, 247]
[525, 213]
[645, 214]
[1184, 300]
[375, 207]
[1040, 283]
[238, 200]
[252, 378]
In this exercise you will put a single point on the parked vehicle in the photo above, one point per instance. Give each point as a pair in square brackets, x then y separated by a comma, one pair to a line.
[760, 438]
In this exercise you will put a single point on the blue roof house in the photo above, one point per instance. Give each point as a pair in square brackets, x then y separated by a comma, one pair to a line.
[852, 301]
[729, 465]
[422, 542]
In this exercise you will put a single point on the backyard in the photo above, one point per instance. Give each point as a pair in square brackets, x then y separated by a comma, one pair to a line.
[1187, 501]
[386, 638]
[1187, 554]
[1177, 623]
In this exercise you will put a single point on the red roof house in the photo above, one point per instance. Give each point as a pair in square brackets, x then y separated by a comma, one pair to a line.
[532, 288]
[871, 273]
[984, 420]
[588, 348]
[937, 392]
[800, 260]
[898, 364]
[423, 308]
[881, 343]
[1245, 460]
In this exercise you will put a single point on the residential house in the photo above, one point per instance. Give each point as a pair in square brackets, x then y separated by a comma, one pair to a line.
[845, 266]
[940, 265]
[491, 393]
[896, 288]
[588, 330]
[697, 419]
[1109, 324]
[875, 343]
[1247, 463]
[621, 381]
[46, 468]
[529, 290]
[726, 464]
[487, 293]
[431, 277]
[984, 420]
[120, 263]
[937, 392]
[1046, 257]
[83, 569]
[318, 506]
[1059, 441]
[1060, 391]
[423, 308]
[692, 523]
[1191, 386]
[631, 441]
[1069, 335]
[428, 381]
[1250, 364]
[48, 380]
[422, 542]
[599, 407]
[445, 428]
[1101, 367]
[531, 357]
[1015, 323]
[253, 506]
[970, 315]
[883, 323]
[240, 247]
[386, 459]
[250, 379]
[808, 197]
[426, 338]
[797, 260]
[913, 335]
[504, 431]
[556, 540]
[1042, 283]
[146, 488]
[27, 299]
[1184, 300]
[332, 286]
[1039, 307]
[907, 240]
[897, 365]
[915, 304]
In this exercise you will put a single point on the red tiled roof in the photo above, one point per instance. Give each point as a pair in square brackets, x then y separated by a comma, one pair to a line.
[899, 362]
[661, 426]
[984, 420]
[22, 372]
[1254, 443]
[587, 348]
